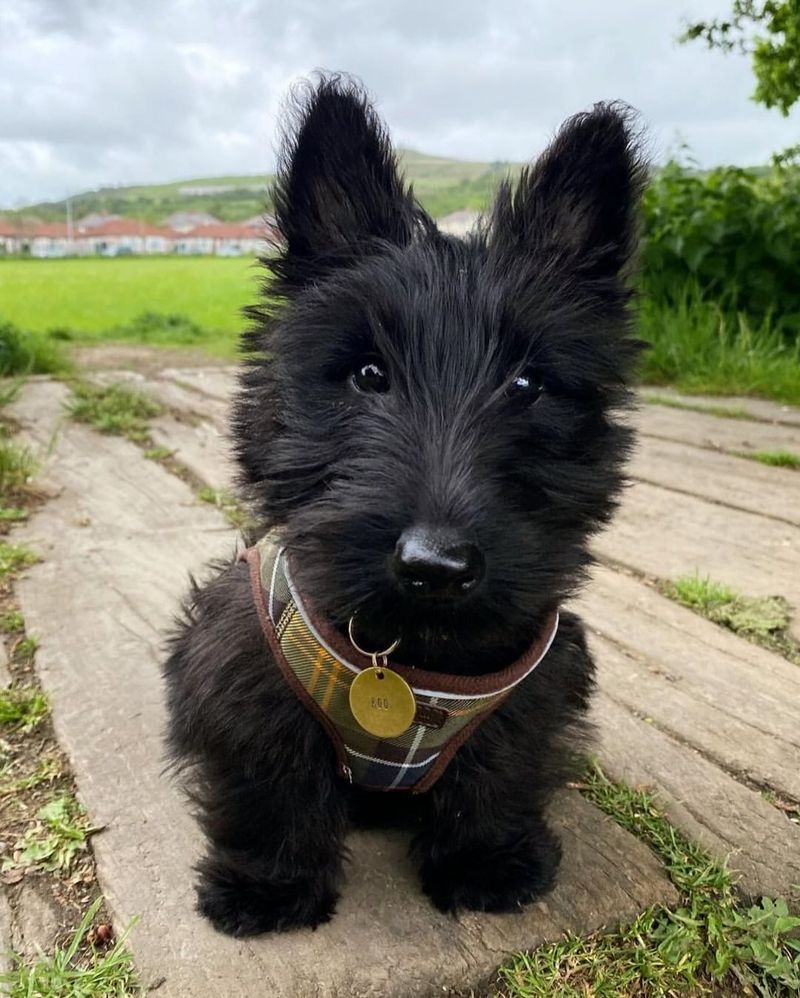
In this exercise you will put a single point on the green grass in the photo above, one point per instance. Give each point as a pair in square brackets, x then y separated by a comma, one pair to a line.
[763, 620]
[25, 649]
[24, 353]
[227, 504]
[92, 300]
[774, 458]
[22, 707]
[58, 835]
[68, 973]
[709, 940]
[158, 453]
[697, 348]
[116, 409]
[17, 466]
[14, 557]
[46, 771]
[723, 411]
[12, 623]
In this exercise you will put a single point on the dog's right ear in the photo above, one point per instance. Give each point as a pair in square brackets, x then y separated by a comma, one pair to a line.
[338, 192]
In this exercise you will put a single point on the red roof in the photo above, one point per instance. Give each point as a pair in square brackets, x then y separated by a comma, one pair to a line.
[49, 230]
[223, 230]
[8, 228]
[124, 227]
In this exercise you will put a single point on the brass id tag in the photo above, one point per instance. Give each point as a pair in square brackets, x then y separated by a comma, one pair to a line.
[382, 702]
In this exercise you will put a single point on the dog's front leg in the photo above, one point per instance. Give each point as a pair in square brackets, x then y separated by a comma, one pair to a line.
[274, 857]
[487, 846]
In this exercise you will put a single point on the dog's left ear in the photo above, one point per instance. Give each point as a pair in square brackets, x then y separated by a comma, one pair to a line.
[338, 192]
[577, 204]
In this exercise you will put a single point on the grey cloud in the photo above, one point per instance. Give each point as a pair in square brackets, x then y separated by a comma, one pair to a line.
[113, 91]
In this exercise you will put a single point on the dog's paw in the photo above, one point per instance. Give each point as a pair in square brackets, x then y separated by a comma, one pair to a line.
[498, 880]
[239, 906]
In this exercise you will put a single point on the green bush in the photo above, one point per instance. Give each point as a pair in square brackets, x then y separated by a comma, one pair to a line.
[24, 353]
[730, 237]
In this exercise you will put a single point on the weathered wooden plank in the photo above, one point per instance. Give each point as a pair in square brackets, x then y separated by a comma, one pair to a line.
[99, 602]
[732, 821]
[718, 476]
[666, 534]
[215, 382]
[757, 409]
[715, 432]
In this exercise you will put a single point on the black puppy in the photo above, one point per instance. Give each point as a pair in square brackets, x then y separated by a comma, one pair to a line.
[427, 424]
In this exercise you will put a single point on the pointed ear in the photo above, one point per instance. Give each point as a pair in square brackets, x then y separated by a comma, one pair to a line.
[578, 201]
[338, 189]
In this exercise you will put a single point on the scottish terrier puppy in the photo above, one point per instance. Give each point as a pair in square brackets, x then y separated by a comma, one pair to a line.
[427, 430]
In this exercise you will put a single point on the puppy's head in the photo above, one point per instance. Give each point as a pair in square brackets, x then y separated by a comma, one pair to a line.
[430, 420]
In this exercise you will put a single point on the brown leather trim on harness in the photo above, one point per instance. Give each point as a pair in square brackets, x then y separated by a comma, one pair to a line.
[428, 715]
[467, 686]
[253, 559]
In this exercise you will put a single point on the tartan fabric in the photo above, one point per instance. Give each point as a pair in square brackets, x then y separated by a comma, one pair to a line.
[322, 678]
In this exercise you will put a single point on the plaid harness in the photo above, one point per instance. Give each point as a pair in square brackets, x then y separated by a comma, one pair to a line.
[319, 664]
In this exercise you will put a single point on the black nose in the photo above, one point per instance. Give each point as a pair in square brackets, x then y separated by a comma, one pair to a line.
[437, 562]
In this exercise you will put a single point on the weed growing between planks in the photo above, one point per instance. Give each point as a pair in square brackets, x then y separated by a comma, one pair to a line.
[121, 410]
[77, 970]
[116, 409]
[229, 505]
[52, 843]
[17, 468]
[711, 943]
[763, 620]
[773, 458]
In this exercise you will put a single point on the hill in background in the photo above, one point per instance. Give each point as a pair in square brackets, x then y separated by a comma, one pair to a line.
[442, 185]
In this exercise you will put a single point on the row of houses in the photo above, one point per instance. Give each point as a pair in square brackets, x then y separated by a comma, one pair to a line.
[184, 233]
[109, 235]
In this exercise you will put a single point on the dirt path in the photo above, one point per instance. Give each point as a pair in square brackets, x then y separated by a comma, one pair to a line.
[706, 717]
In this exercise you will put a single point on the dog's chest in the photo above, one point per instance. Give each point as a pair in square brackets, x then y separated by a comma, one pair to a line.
[446, 710]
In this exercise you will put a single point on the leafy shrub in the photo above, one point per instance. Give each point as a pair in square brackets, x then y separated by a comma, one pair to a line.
[28, 353]
[730, 236]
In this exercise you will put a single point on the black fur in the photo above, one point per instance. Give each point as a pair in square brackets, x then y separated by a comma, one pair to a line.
[526, 475]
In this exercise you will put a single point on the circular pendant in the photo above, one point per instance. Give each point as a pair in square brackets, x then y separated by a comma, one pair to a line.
[382, 702]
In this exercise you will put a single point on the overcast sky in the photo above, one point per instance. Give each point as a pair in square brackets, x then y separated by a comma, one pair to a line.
[96, 92]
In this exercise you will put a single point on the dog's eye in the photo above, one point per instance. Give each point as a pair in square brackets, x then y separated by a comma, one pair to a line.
[369, 376]
[528, 385]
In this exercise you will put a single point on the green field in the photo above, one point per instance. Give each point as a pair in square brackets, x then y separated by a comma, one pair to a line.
[88, 299]
[696, 345]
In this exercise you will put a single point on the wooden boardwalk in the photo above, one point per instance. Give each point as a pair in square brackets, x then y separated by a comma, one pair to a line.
[708, 719]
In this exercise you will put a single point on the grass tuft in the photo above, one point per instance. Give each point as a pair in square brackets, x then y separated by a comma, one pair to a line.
[116, 409]
[774, 458]
[17, 466]
[24, 353]
[709, 942]
[59, 833]
[228, 504]
[158, 453]
[70, 974]
[22, 707]
[14, 557]
[25, 649]
[764, 620]
[12, 623]
[46, 771]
